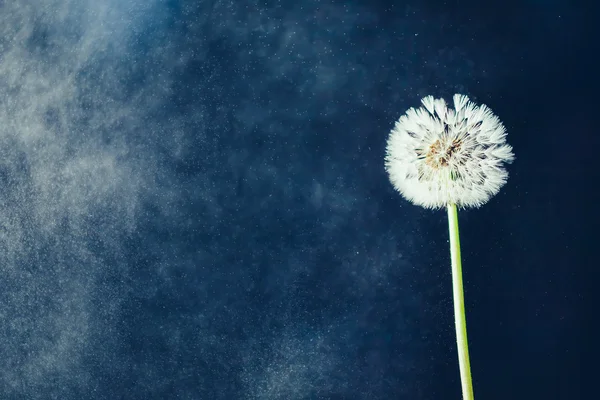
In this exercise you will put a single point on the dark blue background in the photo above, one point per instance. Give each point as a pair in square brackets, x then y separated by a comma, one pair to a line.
[194, 205]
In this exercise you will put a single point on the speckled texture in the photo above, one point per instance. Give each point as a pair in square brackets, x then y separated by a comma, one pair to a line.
[193, 203]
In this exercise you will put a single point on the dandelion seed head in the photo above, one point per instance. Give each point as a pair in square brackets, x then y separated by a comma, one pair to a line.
[437, 155]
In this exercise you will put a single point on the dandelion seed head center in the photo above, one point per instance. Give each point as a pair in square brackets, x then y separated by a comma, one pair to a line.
[444, 153]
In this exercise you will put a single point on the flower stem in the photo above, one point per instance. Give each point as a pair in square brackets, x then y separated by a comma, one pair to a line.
[459, 305]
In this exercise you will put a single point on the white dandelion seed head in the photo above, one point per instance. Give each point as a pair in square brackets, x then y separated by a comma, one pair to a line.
[437, 155]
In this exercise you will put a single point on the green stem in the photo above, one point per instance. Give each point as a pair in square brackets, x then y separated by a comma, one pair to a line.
[459, 305]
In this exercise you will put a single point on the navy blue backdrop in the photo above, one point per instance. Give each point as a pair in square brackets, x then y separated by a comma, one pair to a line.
[193, 203]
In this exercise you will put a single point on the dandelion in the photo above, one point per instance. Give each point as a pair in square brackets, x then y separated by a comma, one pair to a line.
[439, 157]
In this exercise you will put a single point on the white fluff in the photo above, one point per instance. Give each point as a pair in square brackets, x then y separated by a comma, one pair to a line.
[437, 155]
